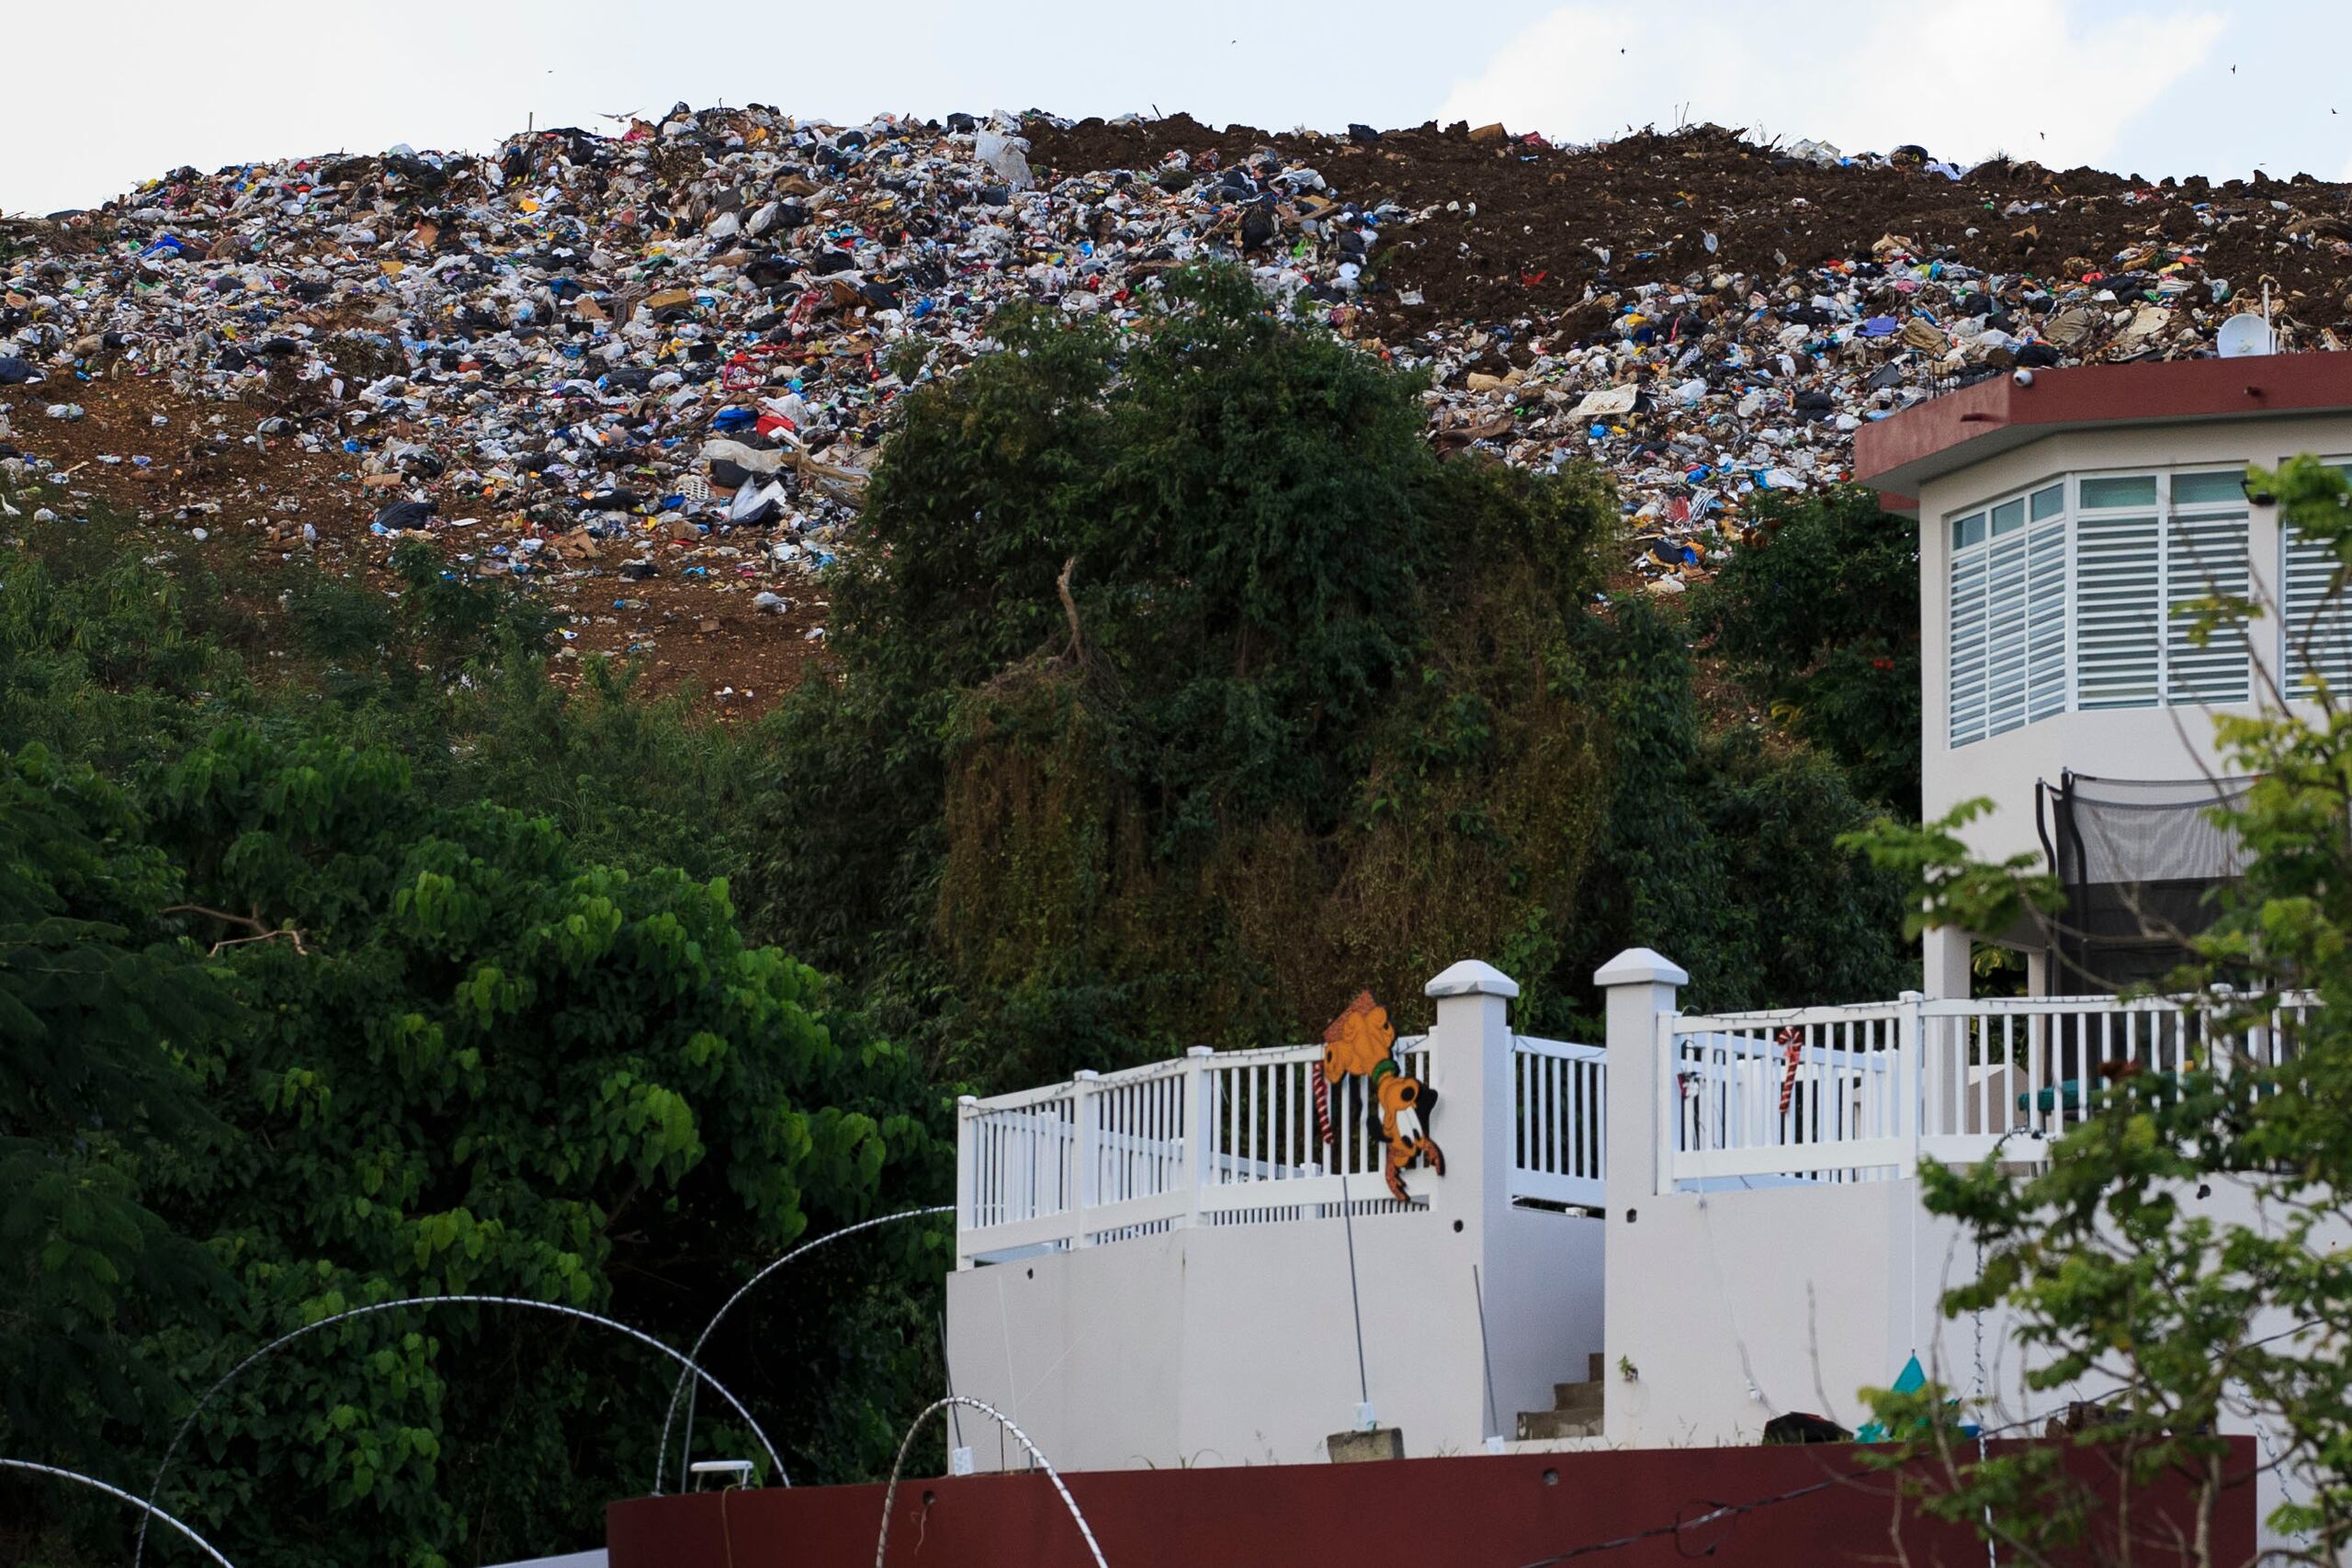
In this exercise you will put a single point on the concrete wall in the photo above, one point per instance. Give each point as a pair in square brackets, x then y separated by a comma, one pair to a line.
[1734, 1306]
[1236, 1344]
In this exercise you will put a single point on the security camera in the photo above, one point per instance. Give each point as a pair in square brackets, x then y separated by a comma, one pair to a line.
[2022, 377]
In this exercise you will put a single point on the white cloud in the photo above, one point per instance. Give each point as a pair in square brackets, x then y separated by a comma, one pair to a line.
[2025, 77]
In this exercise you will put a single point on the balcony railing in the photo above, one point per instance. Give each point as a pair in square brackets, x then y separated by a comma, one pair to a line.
[1220, 1138]
[1865, 1092]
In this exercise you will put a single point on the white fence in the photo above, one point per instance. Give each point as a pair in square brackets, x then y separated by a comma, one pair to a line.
[1560, 1122]
[1863, 1093]
[1231, 1138]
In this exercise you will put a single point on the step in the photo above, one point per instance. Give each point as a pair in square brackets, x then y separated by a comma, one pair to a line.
[1583, 1398]
[1538, 1426]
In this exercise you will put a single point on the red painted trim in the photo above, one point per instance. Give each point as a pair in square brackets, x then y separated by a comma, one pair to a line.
[1936, 433]
[1482, 1510]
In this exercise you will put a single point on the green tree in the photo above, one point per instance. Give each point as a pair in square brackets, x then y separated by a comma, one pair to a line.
[1186, 691]
[371, 963]
[1817, 612]
[479, 1063]
[105, 1014]
[2108, 1260]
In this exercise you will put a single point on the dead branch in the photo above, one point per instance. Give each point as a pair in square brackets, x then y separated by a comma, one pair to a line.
[1077, 650]
[253, 923]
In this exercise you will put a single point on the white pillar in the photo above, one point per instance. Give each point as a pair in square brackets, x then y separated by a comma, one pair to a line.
[1639, 984]
[1470, 1067]
[968, 1111]
[1946, 952]
[1200, 1120]
[1639, 987]
[1086, 1136]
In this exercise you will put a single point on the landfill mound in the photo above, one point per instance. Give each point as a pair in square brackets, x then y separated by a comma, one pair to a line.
[646, 374]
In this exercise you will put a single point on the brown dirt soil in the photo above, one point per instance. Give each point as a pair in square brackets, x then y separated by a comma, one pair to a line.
[696, 634]
[1521, 245]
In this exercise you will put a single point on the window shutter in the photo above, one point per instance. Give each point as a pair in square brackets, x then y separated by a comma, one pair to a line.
[2117, 603]
[2206, 556]
[2005, 633]
[2318, 629]
[2045, 616]
[1968, 645]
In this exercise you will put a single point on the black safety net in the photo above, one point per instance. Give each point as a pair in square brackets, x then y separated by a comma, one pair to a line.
[2141, 862]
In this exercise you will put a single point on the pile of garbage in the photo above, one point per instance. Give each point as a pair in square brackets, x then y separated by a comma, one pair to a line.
[651, 370]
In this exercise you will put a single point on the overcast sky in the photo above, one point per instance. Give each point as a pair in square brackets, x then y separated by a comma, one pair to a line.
[96, 99]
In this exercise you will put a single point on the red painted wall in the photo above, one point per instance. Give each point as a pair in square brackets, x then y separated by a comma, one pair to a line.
[1477, 1511]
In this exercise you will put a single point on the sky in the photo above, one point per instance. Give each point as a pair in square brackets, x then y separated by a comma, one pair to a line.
[97, 102]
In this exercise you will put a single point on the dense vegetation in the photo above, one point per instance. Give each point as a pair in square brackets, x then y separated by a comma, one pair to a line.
[1179, 691]
[1185, 693]
[1819, 616]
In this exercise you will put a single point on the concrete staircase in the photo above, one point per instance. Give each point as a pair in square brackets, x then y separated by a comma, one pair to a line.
[1575, 1413]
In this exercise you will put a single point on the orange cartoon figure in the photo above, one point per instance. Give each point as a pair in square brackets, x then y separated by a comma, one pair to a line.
[1360, 1043]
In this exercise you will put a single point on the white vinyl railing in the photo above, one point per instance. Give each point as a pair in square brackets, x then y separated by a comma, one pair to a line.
[1863, 1093]
[1561, 1123]
[1216, 1138]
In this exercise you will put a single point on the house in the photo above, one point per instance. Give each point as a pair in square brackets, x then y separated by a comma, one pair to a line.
[1663, 1241]
[1645, 1249]
[2067, 519]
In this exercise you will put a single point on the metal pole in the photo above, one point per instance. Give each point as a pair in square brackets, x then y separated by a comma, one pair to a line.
[126, 1496]
[155, 1487]
[891, 1492]
[1477, 1293]
[1355, 1298]
[689, 1388]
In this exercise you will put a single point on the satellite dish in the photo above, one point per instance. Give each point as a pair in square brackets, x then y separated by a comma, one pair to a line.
[2242, 336]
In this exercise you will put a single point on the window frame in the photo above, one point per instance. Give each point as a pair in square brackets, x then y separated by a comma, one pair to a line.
[2068, 518]
[2023, 529]
[2289, 685]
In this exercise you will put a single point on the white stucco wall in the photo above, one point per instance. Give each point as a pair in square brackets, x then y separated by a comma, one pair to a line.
[1734, 1306]
[1234, 1344]
[1808, 1294]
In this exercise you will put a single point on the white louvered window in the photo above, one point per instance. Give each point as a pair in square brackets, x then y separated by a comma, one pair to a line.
[2206, 557]
[1968, 634]
[2009, 614]
[2317, 629]
[2046, 603]
[2093, 606]
[2118, 594]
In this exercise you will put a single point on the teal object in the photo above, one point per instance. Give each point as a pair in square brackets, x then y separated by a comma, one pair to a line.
[2046, 1100]
[2078, 1098]
[1910, 1379]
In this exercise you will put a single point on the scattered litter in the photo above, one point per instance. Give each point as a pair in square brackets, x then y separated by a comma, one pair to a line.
[669, 356]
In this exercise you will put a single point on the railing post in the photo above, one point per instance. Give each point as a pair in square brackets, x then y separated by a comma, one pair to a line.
[967, 1185]
[1470, 1068]
[1199, 1121]
[1640, 986]
[1086, 1123]
[1911, 1094]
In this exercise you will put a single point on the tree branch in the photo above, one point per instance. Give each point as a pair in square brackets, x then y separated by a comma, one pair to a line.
[253, 923]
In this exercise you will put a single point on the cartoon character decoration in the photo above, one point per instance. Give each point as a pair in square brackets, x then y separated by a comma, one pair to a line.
[1361, 1044]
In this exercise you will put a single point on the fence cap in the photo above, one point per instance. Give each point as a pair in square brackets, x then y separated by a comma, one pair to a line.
[1640, 966]
[1472, 978]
